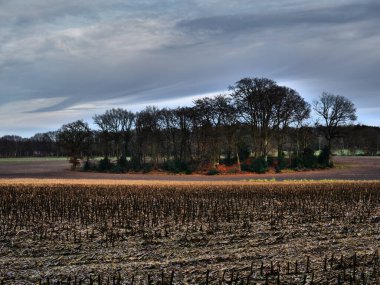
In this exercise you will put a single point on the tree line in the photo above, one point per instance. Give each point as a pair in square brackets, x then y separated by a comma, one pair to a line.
[258, 123]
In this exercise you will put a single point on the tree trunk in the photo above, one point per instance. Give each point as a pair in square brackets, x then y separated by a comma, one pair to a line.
[238, 159]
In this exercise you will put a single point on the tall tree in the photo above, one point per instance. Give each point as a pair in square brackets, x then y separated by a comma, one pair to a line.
[289, 109]
[44, 144]
[255, 99]
[116, 125]
[334, 111]
[127, 120]
[210, 120]
[167, 122]
[185, 121]
[148, 140]
[227, 119]
[302, 111]
[176, 127]
[75, 138]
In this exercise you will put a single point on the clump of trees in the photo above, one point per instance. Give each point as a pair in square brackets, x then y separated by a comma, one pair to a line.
[258, 125]
[41, 144]
[75, 137]
[268, 110]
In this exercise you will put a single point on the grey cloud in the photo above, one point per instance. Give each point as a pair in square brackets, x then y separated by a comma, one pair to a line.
[150, 51]
[240, 23]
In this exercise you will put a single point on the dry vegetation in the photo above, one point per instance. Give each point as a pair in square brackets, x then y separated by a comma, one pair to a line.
[82, 232]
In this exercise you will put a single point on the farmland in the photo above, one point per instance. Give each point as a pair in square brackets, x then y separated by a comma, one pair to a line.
[118, 232]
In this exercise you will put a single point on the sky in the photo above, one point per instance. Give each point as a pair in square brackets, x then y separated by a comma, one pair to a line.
[65, 60]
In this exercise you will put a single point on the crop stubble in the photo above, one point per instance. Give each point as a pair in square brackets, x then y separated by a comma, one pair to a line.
[86, 232]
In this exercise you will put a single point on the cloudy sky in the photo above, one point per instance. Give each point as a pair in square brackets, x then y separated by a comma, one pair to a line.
[65, 60]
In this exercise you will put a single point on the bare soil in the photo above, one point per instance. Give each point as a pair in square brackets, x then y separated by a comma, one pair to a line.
[302, 233]
[346, 168]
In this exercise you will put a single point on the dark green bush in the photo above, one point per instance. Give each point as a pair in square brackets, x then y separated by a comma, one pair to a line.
[296, 162]
[309, 159]
[228, 161]
[258, 165]
[147, 167]
[105, 164]
[118, 169]
[271, 161]
[324, 157]
[244, 166]
[134, 164]
[244, 152]
[177, 166]
[89, 166]
[122, 161]
[212, 172]
[86, 166]
[282, 163]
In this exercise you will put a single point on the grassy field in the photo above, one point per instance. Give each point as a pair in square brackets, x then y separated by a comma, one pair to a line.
[30, 159]
[117, 232]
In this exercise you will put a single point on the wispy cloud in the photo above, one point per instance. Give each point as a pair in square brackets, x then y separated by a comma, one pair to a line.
[90, 51]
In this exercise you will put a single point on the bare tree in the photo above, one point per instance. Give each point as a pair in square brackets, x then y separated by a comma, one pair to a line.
[210, 119]
[289, 109]
[334, 111]
[148, 136]
[127, 120]
[185, 121]
[44, 144]
[116, 125]
[168, 122]
[105, 136]
[255, 99]
[302, 111]
[227, 119]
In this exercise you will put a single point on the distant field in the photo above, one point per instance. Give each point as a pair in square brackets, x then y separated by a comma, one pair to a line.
[156, 232]
[31, 159]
